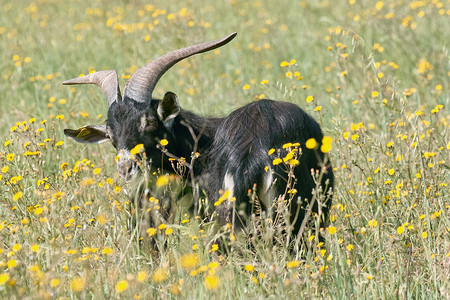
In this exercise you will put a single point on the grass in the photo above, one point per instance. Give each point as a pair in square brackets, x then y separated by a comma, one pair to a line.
[374, 74]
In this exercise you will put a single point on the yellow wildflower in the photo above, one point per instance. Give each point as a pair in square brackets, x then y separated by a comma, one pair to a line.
[35, 248]
[292, 264]
[11, 263]
[121, 286]
[249, 268]
[326, 144]
[137, 149]
[151, 231]
[107, 251]
[17, 195]
[141, 276]
[77, 284]
[189, 261]
[159, 275]
[162, 181]
[4, 278]
[311, 143]
[372, 223]
[332, 230]
[212, 282]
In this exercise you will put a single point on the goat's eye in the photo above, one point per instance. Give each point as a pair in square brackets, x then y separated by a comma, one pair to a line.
[147, 123]
[150, 125]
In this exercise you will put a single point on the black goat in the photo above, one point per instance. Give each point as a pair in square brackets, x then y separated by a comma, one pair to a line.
[234, 150]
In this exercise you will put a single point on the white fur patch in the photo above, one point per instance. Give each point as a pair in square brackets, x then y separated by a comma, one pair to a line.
[228, 184]
[143, 123]
[123, 154]
[125, 161]
[267, 192]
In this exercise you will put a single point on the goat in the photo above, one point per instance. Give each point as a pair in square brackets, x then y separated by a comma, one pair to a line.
[234, 149]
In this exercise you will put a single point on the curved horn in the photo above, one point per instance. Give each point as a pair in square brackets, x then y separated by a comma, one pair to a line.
[140, 86]
[106, 80]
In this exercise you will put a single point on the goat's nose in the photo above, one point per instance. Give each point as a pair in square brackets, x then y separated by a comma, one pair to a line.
[126, 168]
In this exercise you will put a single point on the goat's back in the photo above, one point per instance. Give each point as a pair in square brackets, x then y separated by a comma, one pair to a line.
[239, 152]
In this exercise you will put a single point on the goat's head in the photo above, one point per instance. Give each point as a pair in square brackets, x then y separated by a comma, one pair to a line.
[137, 118]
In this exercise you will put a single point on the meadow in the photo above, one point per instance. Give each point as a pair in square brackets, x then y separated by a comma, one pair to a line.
[374, 74]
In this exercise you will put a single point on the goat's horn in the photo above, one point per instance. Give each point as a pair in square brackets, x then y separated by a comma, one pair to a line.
[140, 86]
[107, 80]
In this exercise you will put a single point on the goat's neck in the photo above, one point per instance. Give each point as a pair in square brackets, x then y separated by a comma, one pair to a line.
[194, 133]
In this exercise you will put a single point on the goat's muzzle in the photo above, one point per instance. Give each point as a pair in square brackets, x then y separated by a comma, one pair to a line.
[126, 165]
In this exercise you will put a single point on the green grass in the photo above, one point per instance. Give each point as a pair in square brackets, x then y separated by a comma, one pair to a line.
[378, 73]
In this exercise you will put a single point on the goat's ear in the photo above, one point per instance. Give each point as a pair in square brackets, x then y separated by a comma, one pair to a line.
[91, 134]
[168, 108]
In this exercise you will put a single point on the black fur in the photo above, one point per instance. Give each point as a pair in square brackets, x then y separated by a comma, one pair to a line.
[241, 146]
[124, 119]
[236, 145]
